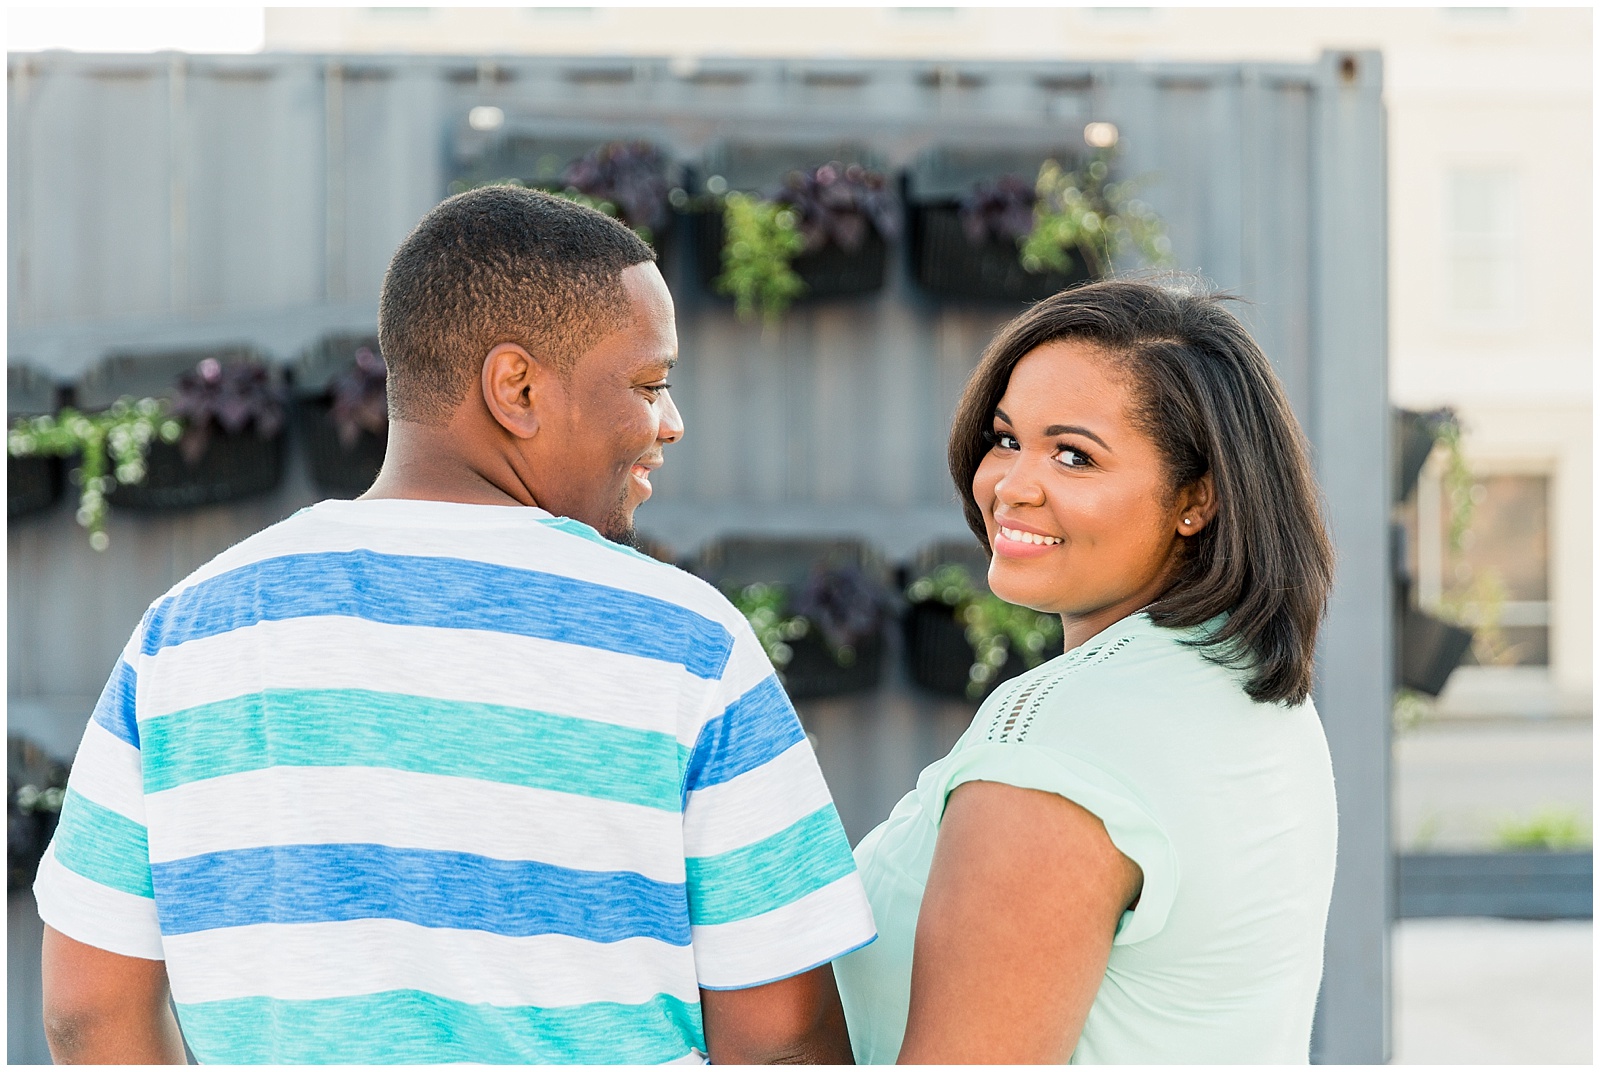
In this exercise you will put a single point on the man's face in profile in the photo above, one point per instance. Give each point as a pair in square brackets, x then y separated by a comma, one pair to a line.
[606, 434]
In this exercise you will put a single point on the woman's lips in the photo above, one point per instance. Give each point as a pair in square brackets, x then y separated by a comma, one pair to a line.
[1023, 543]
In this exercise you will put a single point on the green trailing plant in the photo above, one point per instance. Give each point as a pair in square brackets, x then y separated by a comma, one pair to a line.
[994, 627]
[760, 240]
[764, 607]
[1083, 213]
[1478, 602]
[1550, 829]
[117, 439]
[839, 604]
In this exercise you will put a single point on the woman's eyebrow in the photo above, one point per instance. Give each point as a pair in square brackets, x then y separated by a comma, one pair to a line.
[1074, 429]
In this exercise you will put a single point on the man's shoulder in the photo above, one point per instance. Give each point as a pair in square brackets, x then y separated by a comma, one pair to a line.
[484, 549]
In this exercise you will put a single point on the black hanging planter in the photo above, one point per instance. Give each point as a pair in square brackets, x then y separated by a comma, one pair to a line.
[35, 783]
[33, 484]
[336, 469]
[940, 657]
[948, 264]
[234, 466]
[813, 673]
[830, 272]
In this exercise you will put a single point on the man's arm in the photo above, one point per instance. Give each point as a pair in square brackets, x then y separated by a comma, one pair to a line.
[795, 1021]
[103, 1008]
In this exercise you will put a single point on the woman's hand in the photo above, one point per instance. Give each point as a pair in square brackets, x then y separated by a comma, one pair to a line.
[1022, 902]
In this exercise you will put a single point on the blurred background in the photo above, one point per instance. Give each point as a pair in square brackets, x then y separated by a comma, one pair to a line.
[201, 204]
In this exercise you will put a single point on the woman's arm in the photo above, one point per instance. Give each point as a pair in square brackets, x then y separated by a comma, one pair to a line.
[1023, 899]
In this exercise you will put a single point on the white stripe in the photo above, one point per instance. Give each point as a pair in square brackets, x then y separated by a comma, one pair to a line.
[819, 927]
[404, 809]
[748, 667]
[475, 666]
[755, 805]
[96, 915]
[307, 961]
[107, 770]
[693, 1057]
[505, 536]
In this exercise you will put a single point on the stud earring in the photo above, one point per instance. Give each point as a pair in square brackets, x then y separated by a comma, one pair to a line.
[1186, 521]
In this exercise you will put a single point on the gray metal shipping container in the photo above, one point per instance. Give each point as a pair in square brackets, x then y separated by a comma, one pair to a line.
[168, 201]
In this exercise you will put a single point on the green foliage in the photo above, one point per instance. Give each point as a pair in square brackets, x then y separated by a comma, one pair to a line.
[761, 239]
[118, 437]
[1478, 602]
[1411, 709]
[1082, 213]
[1550, 829]
[763, 605]
[994, 627]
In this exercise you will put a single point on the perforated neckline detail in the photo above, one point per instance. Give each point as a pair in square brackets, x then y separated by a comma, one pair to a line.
[1014, 716]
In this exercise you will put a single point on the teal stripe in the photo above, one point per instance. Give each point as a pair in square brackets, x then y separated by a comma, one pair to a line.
[361, 728]
[103, 846]
[773, 872]
[413, 1027]
[577, 528]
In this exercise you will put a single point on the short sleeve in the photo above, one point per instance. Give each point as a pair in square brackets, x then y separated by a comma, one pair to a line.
[771, 883]
[1135, 833]
[94, 882]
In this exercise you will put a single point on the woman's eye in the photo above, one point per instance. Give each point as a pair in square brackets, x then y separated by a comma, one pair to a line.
[1001, 440]
[1073, 459]
[655, 389]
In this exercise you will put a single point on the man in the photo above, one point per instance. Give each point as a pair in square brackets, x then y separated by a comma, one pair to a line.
[446, 773]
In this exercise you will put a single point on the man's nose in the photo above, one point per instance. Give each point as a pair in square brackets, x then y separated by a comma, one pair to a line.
[671, 429]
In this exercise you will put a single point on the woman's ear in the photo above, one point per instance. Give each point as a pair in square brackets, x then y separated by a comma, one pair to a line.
[514, 386]
[1197, 505]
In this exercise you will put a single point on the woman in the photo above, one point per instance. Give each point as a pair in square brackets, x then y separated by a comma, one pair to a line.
[1128, 855]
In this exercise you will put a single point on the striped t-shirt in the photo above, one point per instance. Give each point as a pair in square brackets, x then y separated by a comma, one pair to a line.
[400, 781]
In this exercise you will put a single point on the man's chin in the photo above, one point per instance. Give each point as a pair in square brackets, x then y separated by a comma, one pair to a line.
[618, 528]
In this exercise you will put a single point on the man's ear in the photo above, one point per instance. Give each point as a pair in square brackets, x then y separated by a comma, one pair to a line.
[1197, 505]
[515, 386]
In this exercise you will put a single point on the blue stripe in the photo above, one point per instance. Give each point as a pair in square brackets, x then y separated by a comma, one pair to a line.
[755, 729]
[324, 883]
[448, 593]
[115, 711]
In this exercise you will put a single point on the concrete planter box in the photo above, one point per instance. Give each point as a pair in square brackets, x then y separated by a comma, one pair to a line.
[1510, 885]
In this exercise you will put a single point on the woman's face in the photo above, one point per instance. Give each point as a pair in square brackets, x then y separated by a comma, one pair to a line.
[1074, 496]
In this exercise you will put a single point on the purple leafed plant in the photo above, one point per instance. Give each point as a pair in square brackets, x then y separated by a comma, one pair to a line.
[361, 398]
[844, 604]
[213, 397]
[998, 211]
[834, 204]
[631, 175]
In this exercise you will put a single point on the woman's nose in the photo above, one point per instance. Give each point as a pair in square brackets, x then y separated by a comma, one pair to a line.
[1020, 484]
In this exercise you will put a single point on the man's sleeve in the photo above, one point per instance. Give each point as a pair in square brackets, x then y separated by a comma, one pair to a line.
[94, 880]
[772, 886]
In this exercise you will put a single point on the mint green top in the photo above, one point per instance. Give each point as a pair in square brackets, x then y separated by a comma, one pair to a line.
[1226, 805]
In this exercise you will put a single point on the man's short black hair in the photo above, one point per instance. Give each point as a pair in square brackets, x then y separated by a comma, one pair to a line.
[493, 265]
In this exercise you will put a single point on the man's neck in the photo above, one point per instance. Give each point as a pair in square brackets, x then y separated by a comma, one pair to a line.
[428, 462]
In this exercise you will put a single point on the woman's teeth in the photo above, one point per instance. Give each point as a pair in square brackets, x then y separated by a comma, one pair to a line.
[1028, 537]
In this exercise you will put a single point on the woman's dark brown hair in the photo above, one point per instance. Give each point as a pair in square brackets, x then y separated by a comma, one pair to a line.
[1208, 398]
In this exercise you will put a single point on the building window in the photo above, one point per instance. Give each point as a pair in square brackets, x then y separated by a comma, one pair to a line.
[1481, 243]
[1497, 580]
